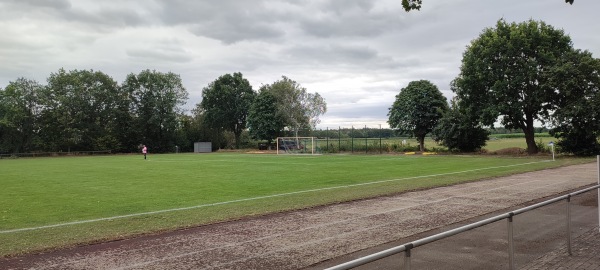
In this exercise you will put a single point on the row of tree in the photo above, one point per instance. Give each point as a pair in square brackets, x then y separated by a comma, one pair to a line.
[520, 74]
[86, 110]
[229, 103]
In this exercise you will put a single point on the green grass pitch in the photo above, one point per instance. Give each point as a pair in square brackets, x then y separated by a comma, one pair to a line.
[58, 202]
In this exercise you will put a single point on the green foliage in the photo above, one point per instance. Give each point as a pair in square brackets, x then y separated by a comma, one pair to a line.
[298, 108]
[417, 109]
[86, 110]
[264, 119]
[457, 131]
[79, 111]
[409, 5]
[198, 130]
[576, 121]
[156, 103]
[19, 112]
[226, 103]
[505, 72]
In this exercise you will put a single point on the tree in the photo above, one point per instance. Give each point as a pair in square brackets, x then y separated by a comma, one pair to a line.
[409, 5]
[226, 103]
[417, 109]
[505, 72]
[264, 120]
[200, 131]
[79, 111]
[459, 132]
[157, 100]
[19, 110]
[577, 119]
[299, 108]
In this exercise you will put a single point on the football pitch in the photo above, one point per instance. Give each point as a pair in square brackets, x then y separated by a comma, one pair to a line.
[59, 202]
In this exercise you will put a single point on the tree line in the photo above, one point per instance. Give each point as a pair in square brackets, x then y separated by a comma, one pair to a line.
[86, 110]
[517, 74]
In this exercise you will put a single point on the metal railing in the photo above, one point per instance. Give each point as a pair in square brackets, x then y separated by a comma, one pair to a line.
[406, 248]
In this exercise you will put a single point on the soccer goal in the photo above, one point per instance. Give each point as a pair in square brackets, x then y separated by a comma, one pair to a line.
[296, 145]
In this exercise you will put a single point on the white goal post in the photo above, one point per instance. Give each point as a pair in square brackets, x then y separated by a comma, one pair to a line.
[296, 145]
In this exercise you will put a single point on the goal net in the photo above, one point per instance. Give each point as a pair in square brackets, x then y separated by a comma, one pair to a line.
[296, 145]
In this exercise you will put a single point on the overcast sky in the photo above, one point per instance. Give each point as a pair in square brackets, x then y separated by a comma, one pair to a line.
[357, 54]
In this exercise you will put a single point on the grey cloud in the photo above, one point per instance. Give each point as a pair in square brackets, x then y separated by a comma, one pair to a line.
[333, 53]
[233, 32]
[161, 55]
[153, 56]
[233, 21]
[341, 55]
[101, 15]
[29, 4]
[227, 21]
[347, 19]
[161, 51]
[106, 18]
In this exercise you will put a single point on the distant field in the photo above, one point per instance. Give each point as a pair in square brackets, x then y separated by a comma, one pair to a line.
[57, 202]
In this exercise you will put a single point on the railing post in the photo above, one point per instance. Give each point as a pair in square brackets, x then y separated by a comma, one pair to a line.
[569, 225]
[407, 256]
[511, 244]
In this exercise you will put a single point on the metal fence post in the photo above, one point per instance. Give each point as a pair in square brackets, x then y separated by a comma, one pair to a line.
[352, 140]
[327, 138]
[366, 140]
[511, 244]
[569, 224]
[407, 257]
[379, 138]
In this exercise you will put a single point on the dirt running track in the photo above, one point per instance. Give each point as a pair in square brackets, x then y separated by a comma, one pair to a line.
[304, 238]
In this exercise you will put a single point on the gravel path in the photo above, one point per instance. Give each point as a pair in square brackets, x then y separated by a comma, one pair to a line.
[302, 238]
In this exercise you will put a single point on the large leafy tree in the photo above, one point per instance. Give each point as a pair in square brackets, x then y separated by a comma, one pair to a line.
[19, 110]
[79, 111]
[157, 100]
[460, 132]
[577, 119]
[226, 103]
[417, 109]
[505, 72]
[299, 108]
[264, 120]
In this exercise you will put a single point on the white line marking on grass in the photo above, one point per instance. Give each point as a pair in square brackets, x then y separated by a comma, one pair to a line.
[257, 198]
[420, 203]
[325, 225]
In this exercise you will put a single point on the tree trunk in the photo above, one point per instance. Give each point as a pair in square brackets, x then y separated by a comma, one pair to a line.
[530, 136]
[237, 139]
[422, 143]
